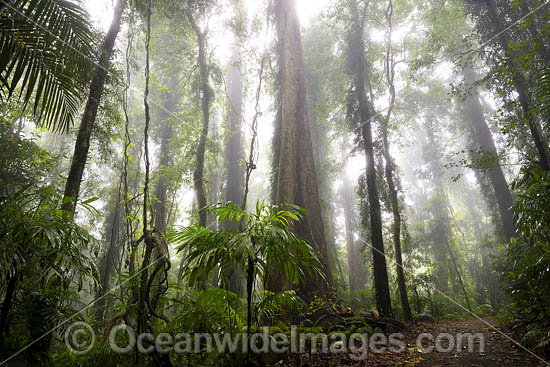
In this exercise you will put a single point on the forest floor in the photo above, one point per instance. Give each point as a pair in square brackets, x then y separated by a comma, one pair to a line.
[499, 350]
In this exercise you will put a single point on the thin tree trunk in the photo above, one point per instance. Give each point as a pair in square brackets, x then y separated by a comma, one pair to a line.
[407, 314]
[380, 272]
[198, 173]
[347, 198]
[213, 178]
[82, 145]
[521, 86]
[389, 170]
[458, 274]
[296, 174]
[484, 139]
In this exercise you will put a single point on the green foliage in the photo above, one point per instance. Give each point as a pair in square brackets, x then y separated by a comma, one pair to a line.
[22, 161]
[45, 50]
[266, 238]
[526, 261]
[48, 258]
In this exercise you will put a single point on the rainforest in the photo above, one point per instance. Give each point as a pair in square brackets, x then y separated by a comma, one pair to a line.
[274, 183]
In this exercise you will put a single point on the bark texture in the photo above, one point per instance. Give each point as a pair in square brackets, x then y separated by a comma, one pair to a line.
[356, 265]
[206, 97]
[484, 139]
[521, 85]
[82, 145]
[160, 203]
[380, 271]
[296, 177]
[234, 186]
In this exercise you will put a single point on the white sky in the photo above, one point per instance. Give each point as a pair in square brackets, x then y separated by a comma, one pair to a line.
[101, 10]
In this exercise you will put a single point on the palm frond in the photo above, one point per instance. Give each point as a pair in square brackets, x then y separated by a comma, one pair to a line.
[46, 54]
[543, 96]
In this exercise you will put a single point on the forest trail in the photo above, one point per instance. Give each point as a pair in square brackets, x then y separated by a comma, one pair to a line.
[499, 351]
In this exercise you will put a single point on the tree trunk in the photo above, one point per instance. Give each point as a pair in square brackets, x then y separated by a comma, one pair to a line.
[160, 203]
[521, 86]
[356, 264]
[234, 151]
[82, 145]
[205, 90]
[6, 304]
[213, 177]
[396, 211]
[320, 156]
[296, 177]
[380, 272]
[347, 198]
[440, 232]
[109, 261]
[389, 169]
[458, 274]
[483, 138]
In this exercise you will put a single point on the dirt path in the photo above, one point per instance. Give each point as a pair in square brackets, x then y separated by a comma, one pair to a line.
[499, 351]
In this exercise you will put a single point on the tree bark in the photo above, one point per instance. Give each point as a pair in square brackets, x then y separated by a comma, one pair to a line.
[459, 275]
[234, 153]
[6, 304]
[380, 272]
[356, 265]
[389, 169]
[522, 88]
[205, 90]
[396, 212]
[484, 139]
[296, 177]
[160, 204]
[82, 144]
[110, 260]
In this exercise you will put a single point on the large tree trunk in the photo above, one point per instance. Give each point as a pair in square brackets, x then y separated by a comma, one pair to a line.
[110, 259]
[521, 85]
[320, 145]
[198, 173]
[82, 145]
[484, 140]
[296, 181]
[233, 144]
[160, 203]
[234, 190]
[380, 272]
